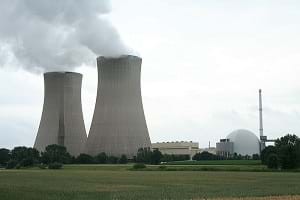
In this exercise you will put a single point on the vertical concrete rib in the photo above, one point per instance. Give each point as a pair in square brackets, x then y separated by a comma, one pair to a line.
[118, 125]
[62, 119]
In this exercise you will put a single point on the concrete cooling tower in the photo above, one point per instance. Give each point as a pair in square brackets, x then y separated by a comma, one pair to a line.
[118, 125]
[62, 120]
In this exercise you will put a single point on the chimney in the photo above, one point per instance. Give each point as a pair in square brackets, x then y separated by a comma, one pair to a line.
[261, 130]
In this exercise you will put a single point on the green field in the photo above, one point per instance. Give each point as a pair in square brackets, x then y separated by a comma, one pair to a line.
[217, 162]
[117, 182]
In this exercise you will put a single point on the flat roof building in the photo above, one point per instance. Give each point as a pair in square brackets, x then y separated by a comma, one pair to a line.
[177, 148]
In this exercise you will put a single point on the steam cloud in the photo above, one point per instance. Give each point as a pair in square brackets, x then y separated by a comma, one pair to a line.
[48, 35]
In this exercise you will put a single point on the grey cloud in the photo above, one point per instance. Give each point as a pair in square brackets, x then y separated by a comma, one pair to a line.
[48, 35]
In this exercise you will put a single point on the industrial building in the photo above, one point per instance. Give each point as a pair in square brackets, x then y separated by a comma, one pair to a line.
[62, 120]
[118, 126]
[241, 141]
[177, 148]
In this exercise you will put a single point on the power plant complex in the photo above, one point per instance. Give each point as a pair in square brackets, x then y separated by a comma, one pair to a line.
[118, 126]
[244, 142]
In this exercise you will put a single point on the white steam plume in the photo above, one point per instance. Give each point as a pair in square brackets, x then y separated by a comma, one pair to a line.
[49, 35]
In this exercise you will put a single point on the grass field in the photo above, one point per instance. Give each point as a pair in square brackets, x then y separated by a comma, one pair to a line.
[117, 182]
[217, 162]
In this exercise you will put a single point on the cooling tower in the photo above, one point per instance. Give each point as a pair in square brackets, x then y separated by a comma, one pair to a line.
[118, 125]
[62, 120]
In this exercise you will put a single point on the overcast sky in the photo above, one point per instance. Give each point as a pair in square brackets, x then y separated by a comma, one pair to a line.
[203, 63]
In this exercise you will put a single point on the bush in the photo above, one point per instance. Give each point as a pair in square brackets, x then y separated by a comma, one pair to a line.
[172, 157]
[42, 166]
[162, 167]
[84, 159]
[18, 166]
[11, 164]
[113, 159]
[255, 157]
[205, 156]
[101, 158]
[272, 161]
[139, 166]
[123, 159]
[55, 165]
[27, 162]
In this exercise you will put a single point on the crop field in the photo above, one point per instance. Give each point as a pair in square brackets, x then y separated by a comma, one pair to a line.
[117, 182]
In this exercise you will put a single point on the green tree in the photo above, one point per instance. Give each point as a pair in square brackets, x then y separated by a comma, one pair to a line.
[56, 153]
[288, 151]
[272, 161]
[144, 155]
[156, 156]
[25, 156]
[84, 159]
[11, 164]
[113, 159]
[101, 158]
[4, 156]
[255, 157]
[266, 152]
[123, 159]
[204, 156]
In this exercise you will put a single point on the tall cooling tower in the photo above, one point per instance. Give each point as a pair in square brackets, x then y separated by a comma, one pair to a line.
[62, 120]
[119, 125]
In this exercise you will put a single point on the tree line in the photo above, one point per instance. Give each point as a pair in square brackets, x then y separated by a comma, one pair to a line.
[56, 155]
[53, 156]
[284, 155]
[209, 156]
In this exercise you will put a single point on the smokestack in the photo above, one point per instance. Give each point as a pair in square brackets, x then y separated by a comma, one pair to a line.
[261, 130]
[62, 120]
[118, 126]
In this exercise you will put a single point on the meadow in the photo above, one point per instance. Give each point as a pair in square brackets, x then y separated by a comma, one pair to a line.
[118, 182]
[216, 162]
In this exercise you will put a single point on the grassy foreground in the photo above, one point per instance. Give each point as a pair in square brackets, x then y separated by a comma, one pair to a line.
[216, 162]
[116, 182]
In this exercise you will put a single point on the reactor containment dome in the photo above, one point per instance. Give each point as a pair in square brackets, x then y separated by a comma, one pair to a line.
[244, 142]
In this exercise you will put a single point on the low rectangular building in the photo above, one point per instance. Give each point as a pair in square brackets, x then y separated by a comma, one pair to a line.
[177, 148]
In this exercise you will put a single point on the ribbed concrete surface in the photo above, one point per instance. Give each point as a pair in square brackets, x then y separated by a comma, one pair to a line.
[118, 125]
[62, 120]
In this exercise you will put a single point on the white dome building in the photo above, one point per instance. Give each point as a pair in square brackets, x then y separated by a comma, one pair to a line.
[244, 142]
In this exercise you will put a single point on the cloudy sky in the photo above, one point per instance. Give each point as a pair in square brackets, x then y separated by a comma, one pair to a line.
[203, 63]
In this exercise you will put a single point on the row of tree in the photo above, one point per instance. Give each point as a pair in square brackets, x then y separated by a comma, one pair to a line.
[284, 155]
[27, 156]
[209, 156]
